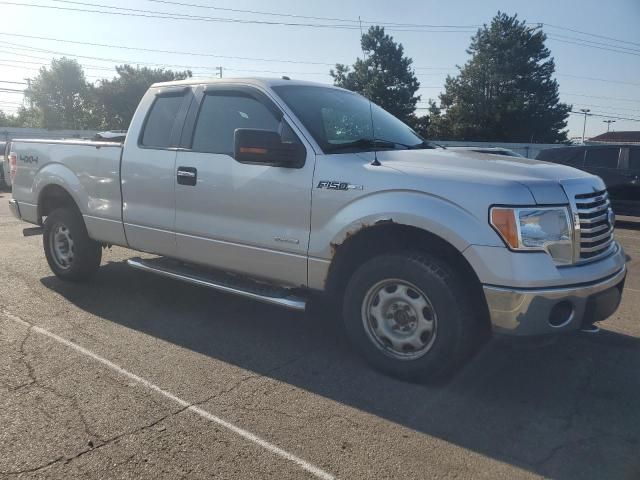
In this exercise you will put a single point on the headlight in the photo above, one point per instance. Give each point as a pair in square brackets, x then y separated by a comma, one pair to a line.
[547, 229]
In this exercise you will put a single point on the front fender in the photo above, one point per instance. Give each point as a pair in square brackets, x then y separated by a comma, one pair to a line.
[434, 214]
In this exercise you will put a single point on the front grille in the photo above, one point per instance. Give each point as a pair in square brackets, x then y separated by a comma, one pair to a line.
[596, 230]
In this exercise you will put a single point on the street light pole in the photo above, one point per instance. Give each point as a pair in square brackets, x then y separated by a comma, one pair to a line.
[584, 127]
[609, 122]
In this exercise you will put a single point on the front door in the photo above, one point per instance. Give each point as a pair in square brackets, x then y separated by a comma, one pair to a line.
[251, 219]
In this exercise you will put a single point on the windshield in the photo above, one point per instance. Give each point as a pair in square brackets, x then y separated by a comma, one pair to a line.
[340, 120]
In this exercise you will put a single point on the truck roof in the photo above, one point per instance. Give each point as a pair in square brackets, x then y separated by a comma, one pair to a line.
[257, 81]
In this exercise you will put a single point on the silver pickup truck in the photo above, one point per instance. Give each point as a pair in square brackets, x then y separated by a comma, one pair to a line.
[279, 189]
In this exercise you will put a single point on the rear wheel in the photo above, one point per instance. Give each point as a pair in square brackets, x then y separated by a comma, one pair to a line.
[71, 254]
[409, 316]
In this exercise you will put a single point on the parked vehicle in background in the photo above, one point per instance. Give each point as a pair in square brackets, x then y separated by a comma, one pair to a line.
[5, 179]
[490, 150]
[617, 165]
[276, 189]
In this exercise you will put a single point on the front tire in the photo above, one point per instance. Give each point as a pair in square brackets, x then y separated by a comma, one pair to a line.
[71, 254]
[409, 316]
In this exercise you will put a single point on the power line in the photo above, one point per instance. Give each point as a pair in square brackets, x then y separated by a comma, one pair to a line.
[136, 12]
[133, 12]
[592, 46]
[16, 83]
[604, 98]
[589, 34]
[635, 109]
[330, 19]
[597, 79]
[258, 12]
[593, 42]
[176, 52]
[595, 114]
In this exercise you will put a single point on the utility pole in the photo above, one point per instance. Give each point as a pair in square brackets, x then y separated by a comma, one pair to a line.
[29, 90]
[608, 122]
[219, 69]
[584, 127]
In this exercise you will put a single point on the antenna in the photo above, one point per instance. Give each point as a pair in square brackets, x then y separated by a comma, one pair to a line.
[373, 128]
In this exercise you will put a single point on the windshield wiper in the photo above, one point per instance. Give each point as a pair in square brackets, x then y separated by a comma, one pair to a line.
[378, 143]
[364, 143]
[422, 145]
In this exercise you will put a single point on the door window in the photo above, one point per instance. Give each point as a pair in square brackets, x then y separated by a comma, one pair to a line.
[634, 158]
[221, 115]
[602, 157]
[159, 124]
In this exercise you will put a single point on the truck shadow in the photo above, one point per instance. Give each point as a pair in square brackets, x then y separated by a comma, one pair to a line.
[568, 409]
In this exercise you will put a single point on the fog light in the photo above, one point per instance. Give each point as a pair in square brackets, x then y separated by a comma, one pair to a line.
[561, 314]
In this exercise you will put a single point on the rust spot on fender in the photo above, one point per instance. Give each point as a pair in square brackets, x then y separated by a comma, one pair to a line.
[349, 233]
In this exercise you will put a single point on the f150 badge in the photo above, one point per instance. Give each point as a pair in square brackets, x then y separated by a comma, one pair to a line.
[333, 185]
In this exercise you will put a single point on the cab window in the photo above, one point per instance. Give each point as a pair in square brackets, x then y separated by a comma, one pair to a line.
[602, 157]
[220, 116]
[634, 158]
[159, 123]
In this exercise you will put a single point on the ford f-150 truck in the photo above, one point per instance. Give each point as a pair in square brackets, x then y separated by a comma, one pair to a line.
[277, 189]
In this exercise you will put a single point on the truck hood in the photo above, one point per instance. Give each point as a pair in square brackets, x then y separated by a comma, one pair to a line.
[542, 179]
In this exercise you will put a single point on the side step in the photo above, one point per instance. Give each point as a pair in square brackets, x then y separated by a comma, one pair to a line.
[221, 281]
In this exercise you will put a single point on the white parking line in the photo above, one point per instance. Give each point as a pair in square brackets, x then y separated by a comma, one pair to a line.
[183, 403]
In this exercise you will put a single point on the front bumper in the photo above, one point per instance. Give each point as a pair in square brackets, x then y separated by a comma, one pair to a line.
[540, 311]
[15, 209]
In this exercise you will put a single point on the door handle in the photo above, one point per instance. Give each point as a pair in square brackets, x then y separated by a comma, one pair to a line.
[187, 176]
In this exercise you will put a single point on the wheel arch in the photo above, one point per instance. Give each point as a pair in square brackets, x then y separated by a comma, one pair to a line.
[386, 236]
[54, 196]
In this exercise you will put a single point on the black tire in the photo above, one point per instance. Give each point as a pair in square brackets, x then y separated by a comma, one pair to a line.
[86, 253]
[456, 325]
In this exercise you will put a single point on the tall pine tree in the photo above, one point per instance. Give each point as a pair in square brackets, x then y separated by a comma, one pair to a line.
[385, 75]
[506, 91]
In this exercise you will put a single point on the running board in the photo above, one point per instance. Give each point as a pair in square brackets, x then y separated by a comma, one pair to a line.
[221, 281]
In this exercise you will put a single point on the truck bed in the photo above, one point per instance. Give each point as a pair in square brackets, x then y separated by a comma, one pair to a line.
[90, 171]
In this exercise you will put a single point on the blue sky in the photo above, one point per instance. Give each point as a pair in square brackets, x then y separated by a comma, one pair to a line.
[435, 52]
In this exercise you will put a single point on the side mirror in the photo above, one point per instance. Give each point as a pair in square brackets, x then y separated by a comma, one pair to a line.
[265, 147]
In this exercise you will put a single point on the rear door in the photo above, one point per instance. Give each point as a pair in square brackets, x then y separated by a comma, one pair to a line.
[148, 171]
[629, 195]
[251, 219]
[604, 162]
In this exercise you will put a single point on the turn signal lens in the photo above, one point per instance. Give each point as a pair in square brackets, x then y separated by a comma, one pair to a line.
[504, 221]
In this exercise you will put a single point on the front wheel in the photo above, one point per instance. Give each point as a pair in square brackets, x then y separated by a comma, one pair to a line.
[71, 254]
[409, 315]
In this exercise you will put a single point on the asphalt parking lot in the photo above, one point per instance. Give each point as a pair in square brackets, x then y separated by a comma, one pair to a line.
[137, 376]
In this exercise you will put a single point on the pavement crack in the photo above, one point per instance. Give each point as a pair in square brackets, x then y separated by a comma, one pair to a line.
[27, 364]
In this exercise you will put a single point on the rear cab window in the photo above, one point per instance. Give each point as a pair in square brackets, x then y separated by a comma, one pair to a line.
[606, 157]
[634, 159]
[573, 156]
[158, 127]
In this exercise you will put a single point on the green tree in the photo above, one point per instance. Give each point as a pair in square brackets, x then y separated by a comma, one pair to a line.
[385, 75]
[506, 91]
[115, 101]
[8, 120]
[59, 96]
